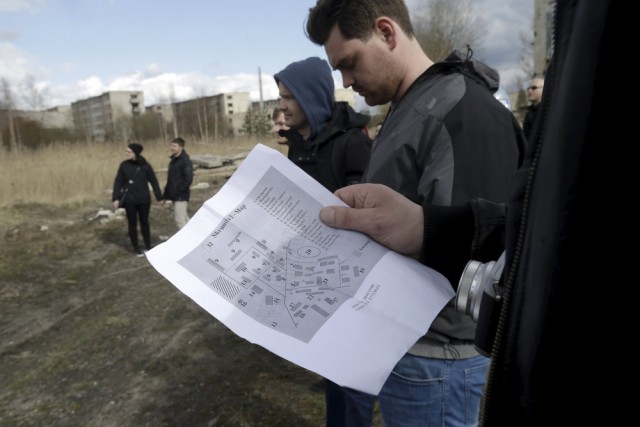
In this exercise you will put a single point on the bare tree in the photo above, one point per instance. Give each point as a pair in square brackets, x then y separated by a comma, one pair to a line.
[33, 97]
[9, 105]
[526, 54]
[444, 25]
[520, 80]
[174, 109]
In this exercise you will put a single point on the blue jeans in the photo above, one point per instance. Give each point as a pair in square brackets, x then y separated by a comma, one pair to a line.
[422, 391]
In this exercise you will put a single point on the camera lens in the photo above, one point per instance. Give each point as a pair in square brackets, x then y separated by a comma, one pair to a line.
[470, 288]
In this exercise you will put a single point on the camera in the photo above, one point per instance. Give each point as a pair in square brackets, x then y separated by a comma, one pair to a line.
[479, 295]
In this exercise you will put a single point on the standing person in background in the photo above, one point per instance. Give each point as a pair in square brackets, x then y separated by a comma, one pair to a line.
[326, 139]
[179, 179]
[446, 140]
[131, 192]
[279, 123]
[534, 95]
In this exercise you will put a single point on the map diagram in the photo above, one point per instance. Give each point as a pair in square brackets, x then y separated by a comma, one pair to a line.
[293, 282]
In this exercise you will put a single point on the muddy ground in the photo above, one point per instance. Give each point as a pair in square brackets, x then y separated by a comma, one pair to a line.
[92, 336]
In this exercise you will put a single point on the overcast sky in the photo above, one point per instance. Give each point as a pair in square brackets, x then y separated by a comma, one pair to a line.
[75, 49]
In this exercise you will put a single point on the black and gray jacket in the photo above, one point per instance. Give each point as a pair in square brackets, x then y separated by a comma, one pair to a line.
[179, 178]
[132, 182]
[446, 142]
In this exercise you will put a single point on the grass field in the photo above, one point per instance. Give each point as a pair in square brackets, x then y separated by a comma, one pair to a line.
[67, 174]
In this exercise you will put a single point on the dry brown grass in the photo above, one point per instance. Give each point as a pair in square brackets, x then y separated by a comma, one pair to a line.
[66, 173]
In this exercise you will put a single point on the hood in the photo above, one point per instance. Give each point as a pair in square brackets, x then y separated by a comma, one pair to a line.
[311, 84]
[475, 69]
[343, 118]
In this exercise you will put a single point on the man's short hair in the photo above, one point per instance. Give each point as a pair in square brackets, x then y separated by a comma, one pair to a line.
[178, 141]
[355, 18]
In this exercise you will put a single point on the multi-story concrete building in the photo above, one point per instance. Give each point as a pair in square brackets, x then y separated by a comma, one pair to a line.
[340, 94]
[543, 16]
[108, 116]
[346, 95]
[212, 116]
[56, 117]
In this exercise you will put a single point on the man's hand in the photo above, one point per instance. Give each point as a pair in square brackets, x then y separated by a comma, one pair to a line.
[386, 216]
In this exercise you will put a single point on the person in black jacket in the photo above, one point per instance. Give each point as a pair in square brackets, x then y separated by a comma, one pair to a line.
[279, 124]
[327, 140]
[179, 178]
[131, 192]
[534, 95]
[445, 140]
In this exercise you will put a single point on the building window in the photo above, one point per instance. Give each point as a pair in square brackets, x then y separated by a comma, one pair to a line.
[230, 111]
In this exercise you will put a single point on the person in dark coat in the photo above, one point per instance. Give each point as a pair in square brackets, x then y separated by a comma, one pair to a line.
[131, 192]
[534, 95]
[327, 140]
[445, 140]
[179, 179]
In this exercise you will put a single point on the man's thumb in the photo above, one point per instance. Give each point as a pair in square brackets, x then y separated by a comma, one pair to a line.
[328, 215]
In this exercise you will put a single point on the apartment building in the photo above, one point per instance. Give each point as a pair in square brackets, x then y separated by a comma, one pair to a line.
[51, 118]
[543, 16]
[107, 116]
[218, 115]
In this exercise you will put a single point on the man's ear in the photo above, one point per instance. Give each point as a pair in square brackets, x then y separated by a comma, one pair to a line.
[386, 29]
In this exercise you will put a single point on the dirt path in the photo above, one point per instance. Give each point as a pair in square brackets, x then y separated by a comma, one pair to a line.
[92, 336]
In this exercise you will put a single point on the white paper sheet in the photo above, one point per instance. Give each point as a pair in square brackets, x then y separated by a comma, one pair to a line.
[257, 257]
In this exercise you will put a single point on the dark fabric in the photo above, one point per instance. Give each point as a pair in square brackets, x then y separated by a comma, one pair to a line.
[529, 120]
[311, 84]
[564, 264]
[561, 266]
[339, 154]
[132, 182]
[179, 178]
[135, 213]
[334, 400]
[444, 228]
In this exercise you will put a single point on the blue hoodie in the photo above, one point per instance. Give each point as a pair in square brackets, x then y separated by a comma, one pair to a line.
[311, 84]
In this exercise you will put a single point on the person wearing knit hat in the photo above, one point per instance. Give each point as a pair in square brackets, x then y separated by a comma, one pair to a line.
[131, 192]
[136, 148]
[326, 138]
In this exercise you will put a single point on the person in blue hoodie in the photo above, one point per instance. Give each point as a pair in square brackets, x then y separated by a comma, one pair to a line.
[326, 138]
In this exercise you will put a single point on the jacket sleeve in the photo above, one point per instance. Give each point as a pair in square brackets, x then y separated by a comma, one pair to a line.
[153, 180]
[186, 178]
[118, 184]
[453, 235]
